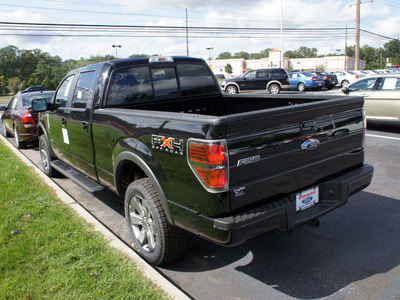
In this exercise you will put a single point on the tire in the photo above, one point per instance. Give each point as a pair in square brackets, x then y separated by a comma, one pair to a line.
[6, 133]
[274, 88]
[345, 83]
[20, 145]
[301, 87]
[231, 90]
[46, 157]
[154, 238]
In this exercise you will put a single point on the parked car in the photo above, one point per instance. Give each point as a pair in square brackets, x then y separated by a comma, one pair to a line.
[305, 80]
[272, 80]
[382, 97]
[346, 77]
[36, 88]
[330, 79]
[19, 120]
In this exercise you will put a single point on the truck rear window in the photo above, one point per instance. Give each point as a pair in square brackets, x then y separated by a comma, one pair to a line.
[195, 80]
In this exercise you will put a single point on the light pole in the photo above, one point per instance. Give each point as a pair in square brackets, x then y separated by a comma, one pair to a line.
[116, 49]
[209, 54]
[337, 61]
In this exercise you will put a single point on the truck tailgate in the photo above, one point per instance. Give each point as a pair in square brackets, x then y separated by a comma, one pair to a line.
[266, 156]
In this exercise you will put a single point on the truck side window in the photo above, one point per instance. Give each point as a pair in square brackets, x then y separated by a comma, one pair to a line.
[129, 85]
[62, 94]
[83, 92]
[196, 79]
[165, 82]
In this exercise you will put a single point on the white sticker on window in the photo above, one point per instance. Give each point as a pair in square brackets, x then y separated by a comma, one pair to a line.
[65, 135]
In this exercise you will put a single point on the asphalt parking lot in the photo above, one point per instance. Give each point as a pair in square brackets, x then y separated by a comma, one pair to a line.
[354, 254]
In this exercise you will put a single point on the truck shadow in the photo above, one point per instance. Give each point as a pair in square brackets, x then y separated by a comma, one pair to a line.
[354, 242]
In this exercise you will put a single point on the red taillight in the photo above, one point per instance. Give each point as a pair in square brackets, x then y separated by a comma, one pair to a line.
[209, 162]
[326, 77]
[356, 76]
[28, 118]
[314, 78]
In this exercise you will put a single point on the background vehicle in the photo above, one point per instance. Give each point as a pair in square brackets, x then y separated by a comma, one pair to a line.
[345, 77]
[272, 80]
[330, 79]
[382, 97]
[36, 88]
[159, 132]
[304, 80]
[19, 120]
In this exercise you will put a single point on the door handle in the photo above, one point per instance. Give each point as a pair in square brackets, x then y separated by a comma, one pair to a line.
[85, 125]
[64, 121]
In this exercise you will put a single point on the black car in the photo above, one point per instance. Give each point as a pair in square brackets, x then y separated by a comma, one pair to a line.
[272, 80]
[36, 88]
[330, 79]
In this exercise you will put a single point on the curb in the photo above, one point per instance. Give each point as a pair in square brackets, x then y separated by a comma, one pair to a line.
[141, 265]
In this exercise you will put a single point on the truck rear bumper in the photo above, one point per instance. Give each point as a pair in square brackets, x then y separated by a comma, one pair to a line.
[281, 214]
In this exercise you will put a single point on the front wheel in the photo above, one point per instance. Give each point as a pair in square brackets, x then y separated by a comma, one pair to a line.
[46, 157]
[274, 88]
[345, 83]
[154, 238]
[301, 87]
[231, 89]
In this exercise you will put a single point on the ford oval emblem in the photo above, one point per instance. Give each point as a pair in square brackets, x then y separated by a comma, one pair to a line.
[310, 144]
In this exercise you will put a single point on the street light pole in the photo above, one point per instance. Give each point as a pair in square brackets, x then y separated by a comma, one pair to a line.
[116, 49]
[209, 54]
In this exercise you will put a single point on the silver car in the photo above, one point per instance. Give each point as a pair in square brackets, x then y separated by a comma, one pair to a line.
[382, 97]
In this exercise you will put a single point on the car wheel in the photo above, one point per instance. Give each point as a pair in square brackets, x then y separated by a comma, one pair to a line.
[274, 88]
[231, 89]
[6, 133]
[345, 83]
[154, 238]
[20, 145]
[46, 157]
[301, 87]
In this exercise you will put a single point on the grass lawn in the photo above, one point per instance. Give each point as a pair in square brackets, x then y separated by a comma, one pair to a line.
[56, 255]
[5, 98]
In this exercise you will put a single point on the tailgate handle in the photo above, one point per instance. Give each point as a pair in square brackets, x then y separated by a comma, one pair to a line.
[308, 126]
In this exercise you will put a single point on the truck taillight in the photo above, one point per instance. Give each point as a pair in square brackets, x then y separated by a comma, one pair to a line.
[209, 162]
[28, 118]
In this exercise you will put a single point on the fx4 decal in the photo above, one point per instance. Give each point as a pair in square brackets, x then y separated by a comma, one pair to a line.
[170, 144]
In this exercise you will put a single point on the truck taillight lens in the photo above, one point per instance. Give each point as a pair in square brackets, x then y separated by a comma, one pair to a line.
[209, 162]
[28, 118]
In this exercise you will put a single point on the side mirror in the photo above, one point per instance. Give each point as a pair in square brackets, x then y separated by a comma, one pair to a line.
[345, 89]
[39, 105]
[3, 108]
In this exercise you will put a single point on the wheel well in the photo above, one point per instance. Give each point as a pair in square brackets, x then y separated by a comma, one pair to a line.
[127, 172]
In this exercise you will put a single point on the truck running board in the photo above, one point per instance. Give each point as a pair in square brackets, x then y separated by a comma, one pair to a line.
[84, 181]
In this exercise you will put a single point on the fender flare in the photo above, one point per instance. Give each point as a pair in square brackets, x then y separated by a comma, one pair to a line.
[136, 159]
[232, 83]
[272, 82]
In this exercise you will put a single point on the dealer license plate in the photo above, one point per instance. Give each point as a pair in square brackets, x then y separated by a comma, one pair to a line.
[307, 198]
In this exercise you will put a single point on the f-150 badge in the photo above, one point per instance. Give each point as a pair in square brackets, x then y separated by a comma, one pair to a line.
[310, 144]
[170, 144]
[248, 160]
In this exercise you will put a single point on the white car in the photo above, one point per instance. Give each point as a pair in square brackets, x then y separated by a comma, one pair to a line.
[382, 97]
[347, 77]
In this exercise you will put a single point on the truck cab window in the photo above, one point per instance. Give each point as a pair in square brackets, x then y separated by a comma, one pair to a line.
[165, 82]
[83, 92]
[196, 79]
[62, 95]
[129, 85]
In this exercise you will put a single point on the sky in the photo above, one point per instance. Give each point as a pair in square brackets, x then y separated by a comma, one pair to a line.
[224, 25]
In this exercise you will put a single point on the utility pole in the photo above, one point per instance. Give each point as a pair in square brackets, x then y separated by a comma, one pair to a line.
[357, 67]
[187, 33]
[345, 51]
[282, 66]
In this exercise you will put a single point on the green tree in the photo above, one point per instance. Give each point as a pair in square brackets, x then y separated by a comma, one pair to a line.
[31, 82]
[289, 54]
[54, 83]
[320, 68]
[305, 52]
[241, 54]
[228, 69]
[23, 85]
[9, 62]
[14, 82]
[392, 49]
[46, 83]
[3, 86]
[224, 55]
[138, 55]
[37, 81]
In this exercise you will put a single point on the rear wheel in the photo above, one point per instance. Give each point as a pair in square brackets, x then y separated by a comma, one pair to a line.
[345, 83]
[154, 238]
[231, 89]
[20, 145]
[301, 87]
[274, 88]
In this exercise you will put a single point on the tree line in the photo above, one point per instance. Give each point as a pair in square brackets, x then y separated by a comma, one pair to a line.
[20, 69]
[375, 58]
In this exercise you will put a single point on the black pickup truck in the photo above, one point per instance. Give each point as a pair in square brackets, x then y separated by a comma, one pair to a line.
[159, 132]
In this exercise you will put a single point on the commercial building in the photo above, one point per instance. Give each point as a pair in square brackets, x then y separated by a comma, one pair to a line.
[328, 63]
